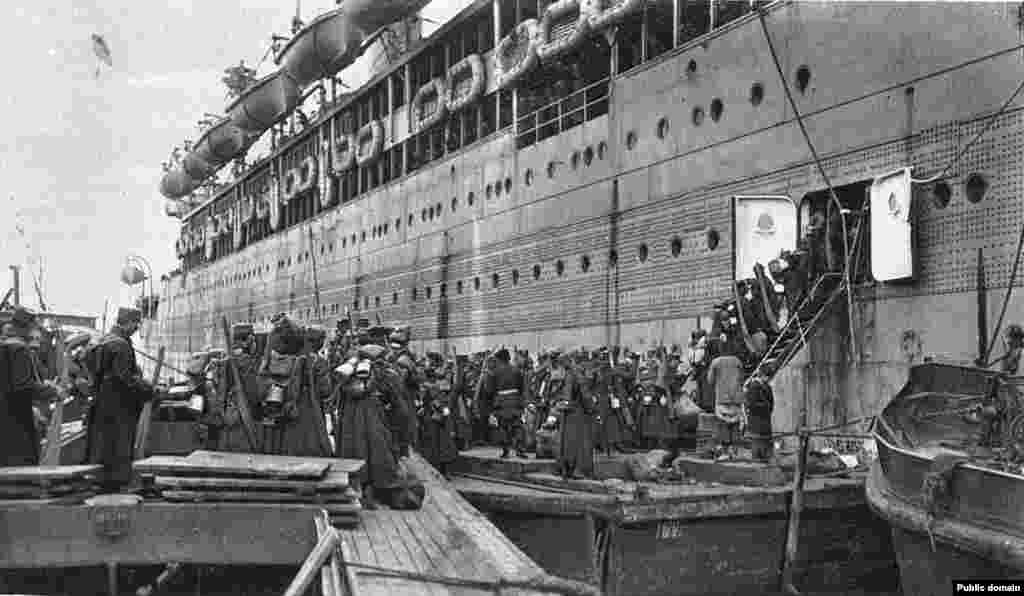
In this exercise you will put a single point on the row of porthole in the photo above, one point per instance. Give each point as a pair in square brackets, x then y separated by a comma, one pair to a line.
[675, 247]
[586, 156]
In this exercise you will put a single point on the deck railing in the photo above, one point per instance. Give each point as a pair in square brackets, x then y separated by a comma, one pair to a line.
[559, 116]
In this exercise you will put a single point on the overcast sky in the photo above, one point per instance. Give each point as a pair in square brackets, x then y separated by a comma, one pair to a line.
[80, 154]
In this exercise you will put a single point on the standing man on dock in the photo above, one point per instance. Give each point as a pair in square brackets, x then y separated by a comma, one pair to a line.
[119, 398]
[726, 376]
[504, 388]
[412, 377]
[19, 389]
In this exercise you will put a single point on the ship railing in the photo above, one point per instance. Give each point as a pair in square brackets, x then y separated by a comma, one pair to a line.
[582, 105]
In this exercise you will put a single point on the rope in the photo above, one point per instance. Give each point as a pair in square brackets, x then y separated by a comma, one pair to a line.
[823, 429]
[544, 582]
[821, 170]
[165, 365]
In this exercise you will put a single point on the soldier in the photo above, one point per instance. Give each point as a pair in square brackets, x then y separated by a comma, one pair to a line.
[81, 383]
[759, 401]
[222, 415]
[726, 375]
[504, 388]
[576, 444]
[1014, 341]
[362, 433]
[20, 388]
[438, 429]
[119, 399]
[652, 416]
[404, 363]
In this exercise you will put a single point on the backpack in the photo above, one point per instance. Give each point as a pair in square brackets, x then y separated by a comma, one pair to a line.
[92, 358]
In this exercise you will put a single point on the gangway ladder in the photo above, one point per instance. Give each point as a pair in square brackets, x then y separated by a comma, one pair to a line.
[826, 290]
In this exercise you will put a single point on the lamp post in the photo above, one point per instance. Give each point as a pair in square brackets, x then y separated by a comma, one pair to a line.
[132, 274]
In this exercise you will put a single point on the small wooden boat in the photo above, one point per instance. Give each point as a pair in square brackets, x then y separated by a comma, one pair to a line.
[322, 48]
[664, 539]
[221, 143]
[176, 184]
[946, 483]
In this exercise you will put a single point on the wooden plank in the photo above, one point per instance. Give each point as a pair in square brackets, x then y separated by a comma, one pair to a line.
[36, 474]
[190, 496]
[351, 579]
[251, 466]
[23, 491]
[389, 558]
[424, 554]
[404, 545]
[330, 574]
[333, 482]
[350, 466]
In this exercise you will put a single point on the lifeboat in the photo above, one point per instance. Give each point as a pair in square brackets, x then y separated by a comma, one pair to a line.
[221, 143]
[563, 28]
[516, 53]
[198, 168]
[605, 13]
[428, 107]
[343, 154]
[176, 184]
[465, 82]
[369, 142]
[266, 103]
[323, 48]
[370, 15]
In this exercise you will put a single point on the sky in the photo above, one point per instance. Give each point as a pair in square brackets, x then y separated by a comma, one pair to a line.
[81, 148]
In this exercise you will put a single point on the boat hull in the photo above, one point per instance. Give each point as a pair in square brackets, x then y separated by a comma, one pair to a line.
[221, 143]
[266, 103]
[324, 48]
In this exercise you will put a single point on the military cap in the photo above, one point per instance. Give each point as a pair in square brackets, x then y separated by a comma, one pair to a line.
[127, 315]
[77, 340]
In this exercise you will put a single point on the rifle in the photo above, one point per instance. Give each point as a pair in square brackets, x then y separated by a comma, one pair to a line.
[51, 457]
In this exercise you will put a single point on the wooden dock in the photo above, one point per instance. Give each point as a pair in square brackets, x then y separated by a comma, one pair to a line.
[446, 547]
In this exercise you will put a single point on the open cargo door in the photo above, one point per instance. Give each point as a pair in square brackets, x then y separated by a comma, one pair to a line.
[763, 227]
[892, 238]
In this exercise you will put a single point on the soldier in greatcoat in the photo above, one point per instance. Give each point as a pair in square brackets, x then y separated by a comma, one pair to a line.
[20, 388]
[222, 414]
[576, 453]
[362, 432]
[504, 388]
[403, 413]
[119, 399]
[438, 430]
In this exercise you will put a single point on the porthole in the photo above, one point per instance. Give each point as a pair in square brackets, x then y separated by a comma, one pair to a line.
[429, 292]
[415, 295]
[394, 298]
[711, 238]
[642, 253]
[489, 191]
[455, 203]
[574, 160]
[585, 263]
[602, 150]
[717, 107]
[975, 188]
[662, 128]
[613, 258]
[476, 283]
[364, 236]
[677, 246]
[495, 280]
[398, 223]
[536, 272]
[451, 172]
[528, 177]
[411, 219]
[691, 68]
[366, 302]
[386, 229]
[470, 198]
[508, 185]
[437, 209]
[756, 94]
[515, 277]
[698, 116]
[559, 267]
[354, 238]
[803, 78]
[423, 215]
[376, 301]
[588, 156]
[941, 193]
[444, 290]
[458, 287]
[631, 140]
[551, 169]
[497, 189]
